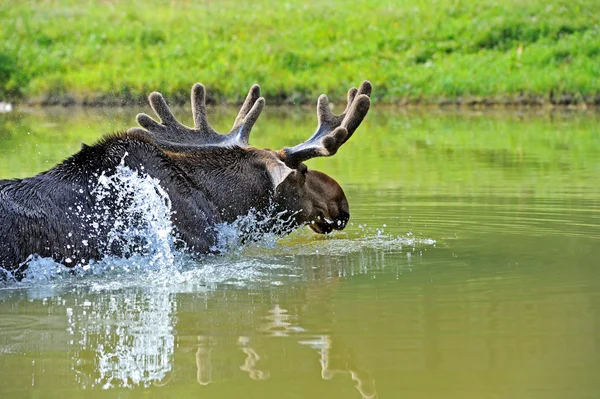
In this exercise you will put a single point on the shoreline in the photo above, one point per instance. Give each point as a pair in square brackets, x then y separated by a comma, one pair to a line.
[458, 53]
[566, 100]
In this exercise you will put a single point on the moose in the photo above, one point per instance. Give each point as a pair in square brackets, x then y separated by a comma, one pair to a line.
[209, 178]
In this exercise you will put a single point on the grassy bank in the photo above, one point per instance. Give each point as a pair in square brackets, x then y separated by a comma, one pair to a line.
[432, 51]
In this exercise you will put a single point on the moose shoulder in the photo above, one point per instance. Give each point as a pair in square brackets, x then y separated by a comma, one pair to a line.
[208, 178]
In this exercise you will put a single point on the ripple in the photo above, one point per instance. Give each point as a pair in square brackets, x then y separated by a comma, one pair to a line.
[9, 323]
[339, 246]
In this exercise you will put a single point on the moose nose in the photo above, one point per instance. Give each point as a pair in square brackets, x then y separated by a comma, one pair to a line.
[326, 226]
[341, 220]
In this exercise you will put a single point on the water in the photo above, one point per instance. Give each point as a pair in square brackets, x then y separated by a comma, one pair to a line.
[469, 269]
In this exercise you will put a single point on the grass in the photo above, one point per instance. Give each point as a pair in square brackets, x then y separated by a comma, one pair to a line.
[414, 51]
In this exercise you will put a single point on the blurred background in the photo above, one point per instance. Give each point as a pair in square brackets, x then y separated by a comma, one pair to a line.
[414, 51]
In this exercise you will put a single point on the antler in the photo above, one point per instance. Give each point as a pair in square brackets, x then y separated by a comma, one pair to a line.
[333, 130]
[169, 132]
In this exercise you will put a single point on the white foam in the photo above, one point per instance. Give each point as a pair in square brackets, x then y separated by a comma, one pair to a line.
[143, 220]
[254, 229]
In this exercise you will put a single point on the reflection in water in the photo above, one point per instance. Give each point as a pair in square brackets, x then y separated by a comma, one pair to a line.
[203, 362]
[131, 334]
[125, 328]
[280, 324]
[124, 339]
[365, 384]
[252, 358]
[137, 337]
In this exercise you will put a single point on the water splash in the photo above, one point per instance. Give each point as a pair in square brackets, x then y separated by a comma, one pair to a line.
[135, 213]
[136, 210]
[258, 229]
[137, 352]
[131, 216]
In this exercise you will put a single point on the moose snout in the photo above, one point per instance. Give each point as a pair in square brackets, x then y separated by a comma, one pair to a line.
[342, 219]
[328, 209]
[337, 219]
[340, 213]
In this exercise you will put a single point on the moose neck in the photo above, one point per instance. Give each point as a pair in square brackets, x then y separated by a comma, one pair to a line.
[234, 179]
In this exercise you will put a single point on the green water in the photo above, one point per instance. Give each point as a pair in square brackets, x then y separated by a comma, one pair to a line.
[470, 269]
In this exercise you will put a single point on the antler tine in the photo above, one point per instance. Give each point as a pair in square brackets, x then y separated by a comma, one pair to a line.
[327, 118]
[162, 110]
[251, 98]
[365, 88]
[246, 118]
[199, 107]
[170, 133]
[333, 130]
[355, 115]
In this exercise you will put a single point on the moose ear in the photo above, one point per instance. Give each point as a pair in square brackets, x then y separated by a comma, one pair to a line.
[278, 172]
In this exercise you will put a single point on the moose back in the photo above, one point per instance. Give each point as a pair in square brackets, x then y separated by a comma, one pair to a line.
[208, 178]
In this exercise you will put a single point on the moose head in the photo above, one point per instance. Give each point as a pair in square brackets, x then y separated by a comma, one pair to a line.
[308, 196]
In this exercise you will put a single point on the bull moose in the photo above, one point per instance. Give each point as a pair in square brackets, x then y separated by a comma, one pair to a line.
[209, 178]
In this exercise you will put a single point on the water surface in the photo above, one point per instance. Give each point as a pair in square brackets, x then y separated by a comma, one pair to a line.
[469, 270]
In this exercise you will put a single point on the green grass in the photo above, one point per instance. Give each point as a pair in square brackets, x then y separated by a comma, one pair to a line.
[412, 50]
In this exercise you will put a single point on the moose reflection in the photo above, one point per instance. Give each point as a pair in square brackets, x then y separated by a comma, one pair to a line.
[71, 215]
[145, 337]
